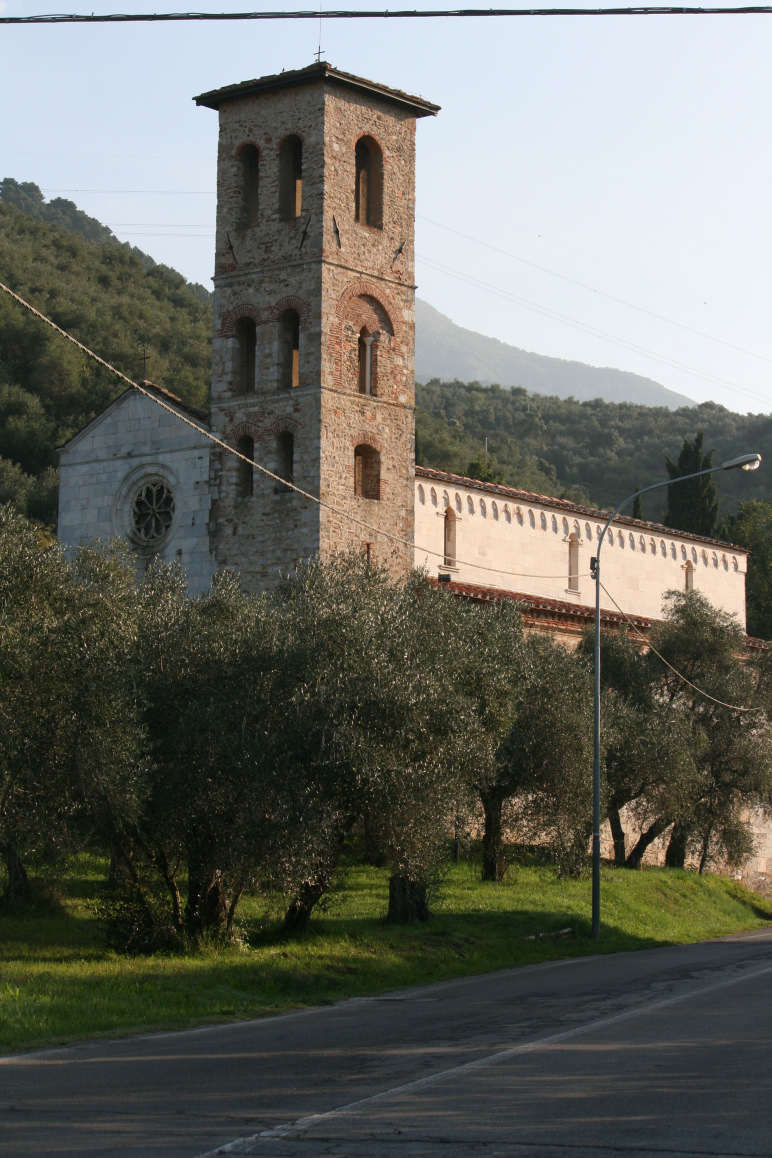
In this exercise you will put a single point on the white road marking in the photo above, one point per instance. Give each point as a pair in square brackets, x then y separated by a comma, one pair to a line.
[251, 1145]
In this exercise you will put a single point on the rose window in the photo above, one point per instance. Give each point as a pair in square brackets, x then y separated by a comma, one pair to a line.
[152, 512]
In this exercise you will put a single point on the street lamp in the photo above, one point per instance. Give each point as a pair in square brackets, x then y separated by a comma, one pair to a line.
[744, 462]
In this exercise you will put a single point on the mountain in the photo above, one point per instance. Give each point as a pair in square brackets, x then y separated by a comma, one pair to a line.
[447, 351]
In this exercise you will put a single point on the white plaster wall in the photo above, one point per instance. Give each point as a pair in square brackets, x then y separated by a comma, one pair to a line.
[503, 541]
[102, 468]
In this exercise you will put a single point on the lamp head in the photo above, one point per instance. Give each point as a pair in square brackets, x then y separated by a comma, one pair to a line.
[744, 462]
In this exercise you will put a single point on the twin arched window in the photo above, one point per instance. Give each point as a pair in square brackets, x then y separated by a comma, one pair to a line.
[368, 184]
[367, 472]
[285, 459]
[245, 477]
[289, 349]
[246, 338]
[249, 157]
[290, 178]
[367, 356]
[368, 188]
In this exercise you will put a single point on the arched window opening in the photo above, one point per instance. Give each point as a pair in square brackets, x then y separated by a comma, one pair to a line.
[289, 349]
[367, 472]
[246, 338]
[368, 362]
[450, 538]
[368, 190]
[290, 178]
[250, 183]
[245, 477]
[421, 495]
[285, 460]
[688, 575]
[573, 563]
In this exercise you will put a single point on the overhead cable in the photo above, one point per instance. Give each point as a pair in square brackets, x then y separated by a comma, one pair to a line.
[385, 14]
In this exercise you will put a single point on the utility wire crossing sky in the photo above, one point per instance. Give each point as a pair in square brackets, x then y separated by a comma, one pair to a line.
[593, 190]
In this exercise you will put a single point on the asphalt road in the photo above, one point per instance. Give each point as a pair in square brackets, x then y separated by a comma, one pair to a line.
[663, 1052]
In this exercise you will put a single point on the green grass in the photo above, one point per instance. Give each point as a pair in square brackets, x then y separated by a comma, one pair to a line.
[58, 984]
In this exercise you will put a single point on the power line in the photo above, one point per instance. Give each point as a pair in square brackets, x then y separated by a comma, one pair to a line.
[399, 14]
[675, 671]
[555, 315]
[362, 523]
[593, 290]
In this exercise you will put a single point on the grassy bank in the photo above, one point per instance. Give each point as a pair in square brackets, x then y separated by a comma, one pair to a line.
[58, 984]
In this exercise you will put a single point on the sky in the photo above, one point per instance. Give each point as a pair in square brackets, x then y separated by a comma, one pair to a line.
[594, 188]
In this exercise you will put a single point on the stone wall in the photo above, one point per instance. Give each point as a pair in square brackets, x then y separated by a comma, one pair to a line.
[346, 281]
[103, 469]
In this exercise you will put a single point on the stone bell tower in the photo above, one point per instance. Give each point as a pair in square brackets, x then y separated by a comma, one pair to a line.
[313, 358]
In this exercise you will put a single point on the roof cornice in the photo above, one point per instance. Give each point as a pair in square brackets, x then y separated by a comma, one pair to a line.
[316, 73]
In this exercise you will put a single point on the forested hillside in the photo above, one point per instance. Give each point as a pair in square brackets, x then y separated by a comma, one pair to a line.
[595, 452]
[112, 298]
[117, 301]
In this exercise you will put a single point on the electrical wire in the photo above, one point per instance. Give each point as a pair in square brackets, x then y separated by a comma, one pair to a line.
[675, 671]
[305, 494]
[398, 14]
[251, 462]
[593, 290]
[555, 315]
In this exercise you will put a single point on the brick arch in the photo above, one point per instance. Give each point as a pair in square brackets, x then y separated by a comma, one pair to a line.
[301, 307]
[368, 289]
[247, 427]
[245, 144]
[284, 424]
[231, 317]
[288, 131]
[364, 305]
[365, 438]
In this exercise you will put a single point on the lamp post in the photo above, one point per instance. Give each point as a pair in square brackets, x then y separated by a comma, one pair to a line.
[744, 462]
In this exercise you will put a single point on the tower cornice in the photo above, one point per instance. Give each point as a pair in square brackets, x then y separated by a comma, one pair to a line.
[315, 73]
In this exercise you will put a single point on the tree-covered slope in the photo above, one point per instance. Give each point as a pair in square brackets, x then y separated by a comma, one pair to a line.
[117, 301]
[591, 451]
[112, 299]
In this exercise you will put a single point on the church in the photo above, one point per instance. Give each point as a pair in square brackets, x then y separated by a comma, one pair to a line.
[308, 446]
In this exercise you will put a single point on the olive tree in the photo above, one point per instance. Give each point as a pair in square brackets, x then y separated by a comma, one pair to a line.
[71, 738]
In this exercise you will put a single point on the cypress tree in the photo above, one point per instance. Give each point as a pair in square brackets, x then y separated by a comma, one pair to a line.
[692, 506]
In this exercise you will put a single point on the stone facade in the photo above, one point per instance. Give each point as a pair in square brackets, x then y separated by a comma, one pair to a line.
[139, 473]
[313, 360]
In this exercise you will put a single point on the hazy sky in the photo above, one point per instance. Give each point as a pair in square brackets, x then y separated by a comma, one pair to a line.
[595, 188]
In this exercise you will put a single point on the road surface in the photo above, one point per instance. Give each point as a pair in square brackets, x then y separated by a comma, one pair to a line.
[662, 1052]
